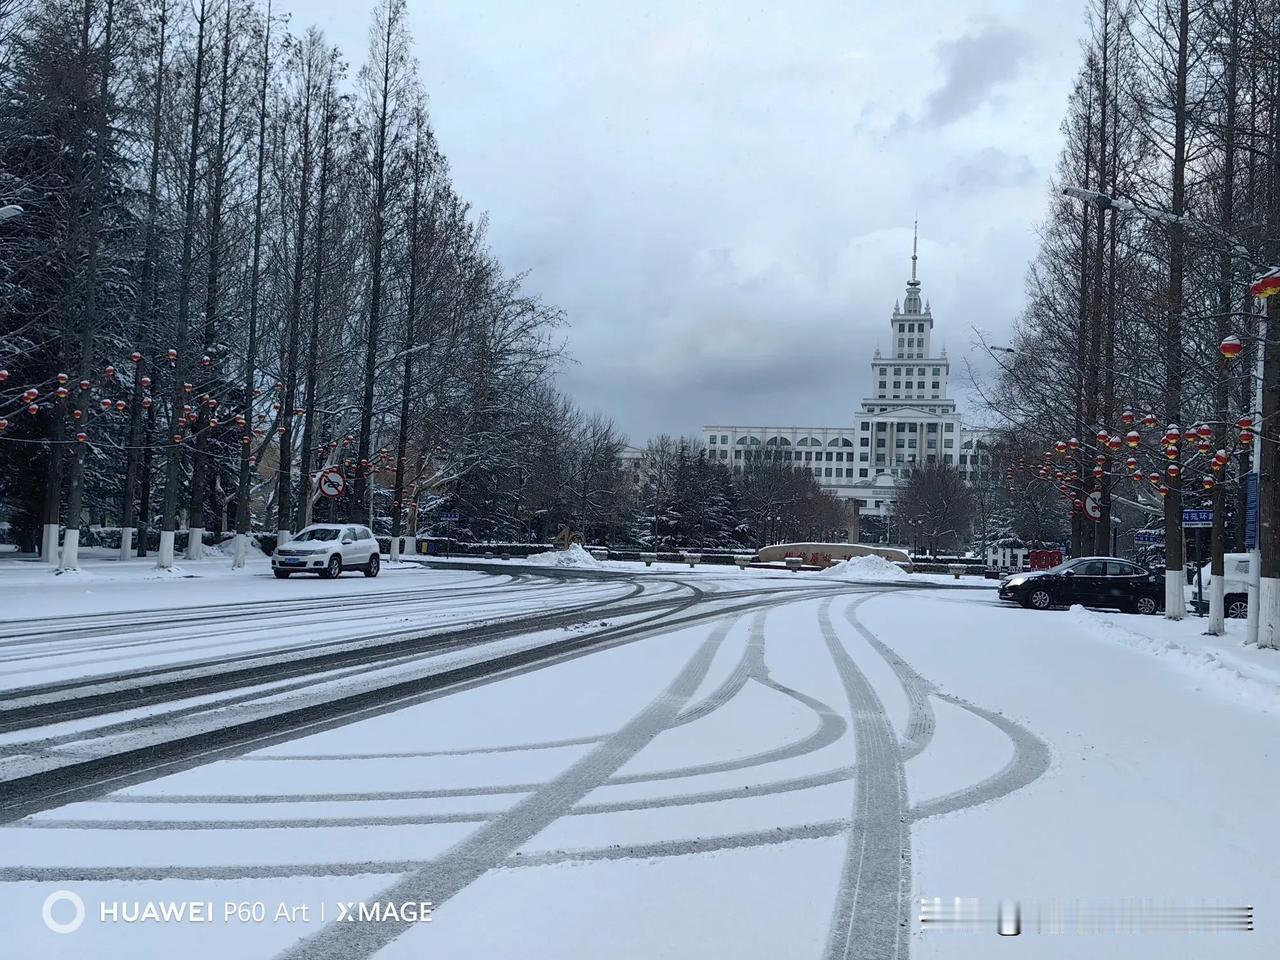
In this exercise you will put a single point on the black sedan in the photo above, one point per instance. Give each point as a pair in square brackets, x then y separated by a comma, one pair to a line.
[1092, 581]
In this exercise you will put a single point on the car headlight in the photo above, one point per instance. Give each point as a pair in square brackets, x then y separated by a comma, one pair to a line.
[1016, 581]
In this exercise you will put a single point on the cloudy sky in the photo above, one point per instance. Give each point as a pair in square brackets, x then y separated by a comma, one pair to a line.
[719, 193]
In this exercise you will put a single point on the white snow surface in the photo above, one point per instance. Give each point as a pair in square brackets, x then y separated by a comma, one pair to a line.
[1162, 741]
[869, 568]
[575, 556]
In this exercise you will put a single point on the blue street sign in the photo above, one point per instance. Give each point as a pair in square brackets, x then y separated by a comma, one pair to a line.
[1197, 518]
[1251, 512]
[1148, 536]
[449, 517]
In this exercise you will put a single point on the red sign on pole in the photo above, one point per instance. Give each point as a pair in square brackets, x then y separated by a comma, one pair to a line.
[332, 483]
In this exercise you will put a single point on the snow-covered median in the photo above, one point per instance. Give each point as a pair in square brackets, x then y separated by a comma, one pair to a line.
[575, 556]
[870, 567]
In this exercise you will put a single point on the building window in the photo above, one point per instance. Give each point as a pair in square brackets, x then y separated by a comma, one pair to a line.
[862, 473]
[949, 428]
[724, 438]
[937, 371]
[862, 457]
[828, 473]
[713, 438]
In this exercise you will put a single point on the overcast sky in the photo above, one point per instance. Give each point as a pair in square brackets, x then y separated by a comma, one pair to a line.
[719, 194]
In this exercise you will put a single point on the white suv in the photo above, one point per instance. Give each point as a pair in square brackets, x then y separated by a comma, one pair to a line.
[1235, 583]
[328, 549]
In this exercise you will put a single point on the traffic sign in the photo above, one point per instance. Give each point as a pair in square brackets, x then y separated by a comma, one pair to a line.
[332, 483]
[1093, 505]
[1148, 536]
[1197, 518]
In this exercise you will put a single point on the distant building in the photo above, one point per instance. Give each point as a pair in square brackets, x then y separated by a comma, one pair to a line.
[907, 421]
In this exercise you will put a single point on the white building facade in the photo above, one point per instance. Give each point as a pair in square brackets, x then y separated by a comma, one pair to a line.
[908, 421]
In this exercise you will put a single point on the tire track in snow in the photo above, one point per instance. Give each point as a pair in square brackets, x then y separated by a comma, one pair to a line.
[497, 840]
[1031, 755]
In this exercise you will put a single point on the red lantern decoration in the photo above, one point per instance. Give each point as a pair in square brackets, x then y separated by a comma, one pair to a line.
[246, 439]
[1245, 422]
[1098, 471]
[1205, 431]
[1102, 436]
[1099, 459]
[1173, 471]
[1231, 347]
[187, 388]
[30, 394]
[63, 378]
[1153, 477]
[146, 403]
[61, 393]
[173, 355]
[145, 381]
[1171, 451]
[1246, 437]
[76, 414]
[1078, 504]
[1191, 435]
[1127, 418]
[1172, 432]
[85, 385]
[1133, 438]
[106, 404]
[4, 375]
[177, 438]
[253, 461]
[81, 437]
[1114, 442]
[33, 409]
[120, 405]
[1208, 483]
[1162, 490]
[213, 424]
[109, 372]
[136, 357]
[4, 424]
[1073, 443]
[206, 360]
[1149, 420]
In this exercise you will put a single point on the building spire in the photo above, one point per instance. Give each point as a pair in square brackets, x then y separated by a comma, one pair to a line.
[915, 236]
[912, 302]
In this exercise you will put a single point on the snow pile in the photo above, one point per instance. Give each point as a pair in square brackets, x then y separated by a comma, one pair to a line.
[575, 556]
[870, 567]
[1205, 666]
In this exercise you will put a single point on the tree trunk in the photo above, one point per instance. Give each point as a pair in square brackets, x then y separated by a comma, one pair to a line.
[173, 460]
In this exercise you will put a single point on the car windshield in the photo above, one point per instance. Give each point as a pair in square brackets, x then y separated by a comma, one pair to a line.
[1060, 568]
[316, 533]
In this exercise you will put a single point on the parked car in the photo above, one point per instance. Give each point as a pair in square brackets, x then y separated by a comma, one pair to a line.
[328, 549]
[1092, 581]
[1235, 584]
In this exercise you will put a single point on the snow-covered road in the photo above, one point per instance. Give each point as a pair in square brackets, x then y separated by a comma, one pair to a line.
[764, 767]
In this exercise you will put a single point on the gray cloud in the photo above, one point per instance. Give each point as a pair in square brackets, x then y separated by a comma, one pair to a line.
[973, 66]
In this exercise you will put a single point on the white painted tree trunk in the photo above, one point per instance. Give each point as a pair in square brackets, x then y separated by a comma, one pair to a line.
[1269, 613]
[49, 543]
[164, 557]
[282, 537]
[1175, 600]
[239, 551]
[1217, 607]
[395, 549]
[70, 550]
[195, 543]
[126, 542]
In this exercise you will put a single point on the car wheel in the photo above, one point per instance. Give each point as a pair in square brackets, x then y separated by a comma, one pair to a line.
[282, 574]
[1040, 599]
[1145, 606]
[1238, 608]
[371, 569]
[333, 568]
